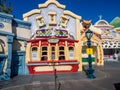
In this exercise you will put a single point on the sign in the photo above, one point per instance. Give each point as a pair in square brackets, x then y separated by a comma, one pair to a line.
[89, 51]
[53, 40]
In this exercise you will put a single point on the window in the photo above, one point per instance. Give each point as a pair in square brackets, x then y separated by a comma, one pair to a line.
[109, 51]
[63, 21]
[53, 53]
[52, 18]
[71, 52]
[34, 53]
[44, 54]
[40, 21]
[61, 53]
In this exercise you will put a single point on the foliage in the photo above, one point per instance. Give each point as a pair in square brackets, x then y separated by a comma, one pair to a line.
[115, 22]
[5, 8]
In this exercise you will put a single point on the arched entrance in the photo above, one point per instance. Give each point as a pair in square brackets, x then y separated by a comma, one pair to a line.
[2, 56]
[96, 45]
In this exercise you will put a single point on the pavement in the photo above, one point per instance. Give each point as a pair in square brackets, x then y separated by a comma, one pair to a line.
[107, 78]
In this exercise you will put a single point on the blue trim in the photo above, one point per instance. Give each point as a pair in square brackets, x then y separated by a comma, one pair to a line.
[7, 73]
[8, 69]
[21, 38]
[6, 17]
[18, 63]
[9, 39]
[19, 52]
[25, 44]
[3, 56]
[6, 33]
[21, 24]
[2, 62]
[1, 25]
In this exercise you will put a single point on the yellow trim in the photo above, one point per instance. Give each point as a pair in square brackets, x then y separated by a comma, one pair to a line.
[52, 13]
[39, 17]
[56, 52]
[65, 17]
[28, 52]
[66, 12]
[51, 2]
[66, 51]
[49, 54]
[34, 11]
[54, 18]
[52, 23]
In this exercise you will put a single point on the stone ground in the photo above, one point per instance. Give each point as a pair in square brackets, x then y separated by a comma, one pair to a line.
[107, 78]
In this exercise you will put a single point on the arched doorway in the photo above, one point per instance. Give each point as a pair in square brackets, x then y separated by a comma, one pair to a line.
[96, 45]
[2, 56]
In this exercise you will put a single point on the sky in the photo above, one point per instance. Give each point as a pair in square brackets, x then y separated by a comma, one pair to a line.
[87, 9]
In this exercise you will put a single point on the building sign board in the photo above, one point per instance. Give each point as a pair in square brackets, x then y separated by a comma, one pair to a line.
[53, 40]
[89, 51]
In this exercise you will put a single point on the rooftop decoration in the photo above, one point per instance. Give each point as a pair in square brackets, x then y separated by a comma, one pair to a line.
[115, 22]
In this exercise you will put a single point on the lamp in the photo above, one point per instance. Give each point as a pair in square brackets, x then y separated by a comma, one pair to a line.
[90, 70]
[89, 34]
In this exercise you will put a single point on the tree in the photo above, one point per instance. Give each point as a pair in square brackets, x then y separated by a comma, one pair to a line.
[5, 8]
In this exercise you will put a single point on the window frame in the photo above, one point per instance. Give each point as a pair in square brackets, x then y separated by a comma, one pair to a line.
[36, 53]
[65, 19]
[62, 56]
[52, 18]
[38, 19]
[44, 57]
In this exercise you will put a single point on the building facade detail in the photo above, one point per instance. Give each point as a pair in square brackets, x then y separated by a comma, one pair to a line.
[110, 40]
[59, 41]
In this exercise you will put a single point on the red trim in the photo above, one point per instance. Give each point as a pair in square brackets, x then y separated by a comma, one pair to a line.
[70, 44]
[61, 43]
[61, 36]
[52, 44]
[32, 71]
[43, 37]
[35, 44]
[46, 39]
[44, 43]
[50, 61]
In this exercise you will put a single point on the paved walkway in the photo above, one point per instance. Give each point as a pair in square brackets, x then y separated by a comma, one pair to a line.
[107, 78]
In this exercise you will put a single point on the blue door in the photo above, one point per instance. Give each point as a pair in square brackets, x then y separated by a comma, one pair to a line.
[18, 63]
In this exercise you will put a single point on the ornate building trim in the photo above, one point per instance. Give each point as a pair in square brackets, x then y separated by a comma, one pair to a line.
[66, 12]
[34, 11]
[6, 17]
[21, 24]
[51, 2]
[6, 33]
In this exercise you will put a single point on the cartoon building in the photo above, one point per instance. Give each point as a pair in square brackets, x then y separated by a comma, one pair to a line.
[58, 37]
[110, 40]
